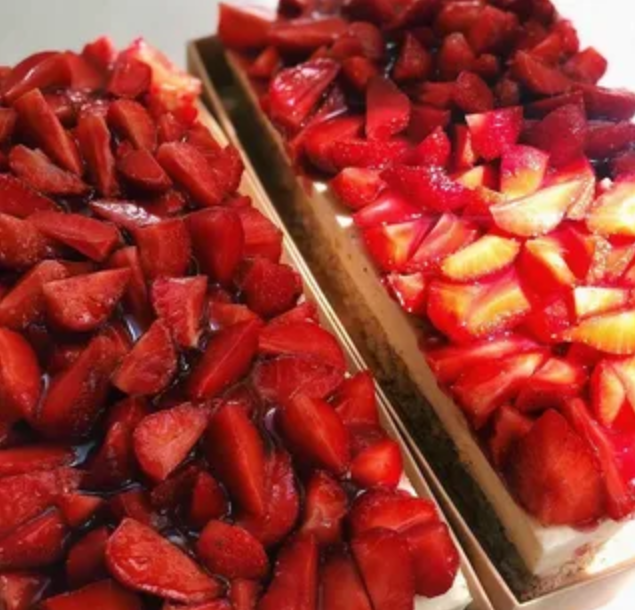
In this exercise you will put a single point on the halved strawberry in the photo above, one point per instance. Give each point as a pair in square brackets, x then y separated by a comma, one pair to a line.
[20, 460]
[163, 440]
[540, 212]
[36, 544]
[435, 558]
[232, 552]
[18, 199]
[22, 590]
[555, 381]
[164, 248]
[76, 396]
[539, 77]
[509, 427]
[270, 288]
[294, 92]
[387, 109]
[39, 172]
[488, 386]
[487, 255]
[20, 377]
[523, 170]
[380, 464]
[281, 502]
[231, 434]
[355, 400]
[495, 132]
[387, 568]
[94, 142]
[448, 363]
[315, 433]
[86, 560]
[555, 474]
[295, 583]
[325, 507]
[84, 302]
[620, 499]
[208, 501]
[90, 237]
[151, 364]
[105, 594]
[224, 228]
[136, 296]
[145, 561]
[342, 586]
[39, 119]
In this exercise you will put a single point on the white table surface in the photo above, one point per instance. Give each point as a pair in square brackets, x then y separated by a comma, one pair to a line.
[27, 26]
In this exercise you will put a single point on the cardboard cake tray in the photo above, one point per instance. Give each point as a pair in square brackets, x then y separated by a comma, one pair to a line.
[466, 591]
[521, 563]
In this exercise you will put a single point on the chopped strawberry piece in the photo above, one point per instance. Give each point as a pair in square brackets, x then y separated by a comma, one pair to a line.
[409, 291]
[125, 215]
[342, 586]
[17, 199]
[605, 139]
[316, 433]
[608, 393]
[611, 333]
[86, 561]
[90, 237]
[21, 460]
[295, 92]
[244, 594]
[484, 257]
[365, 154]
[543, 107]
[388, 109]
[130, 77]
[494, 133]
[78, 509]
[136, 296]
[20, 377]
[94, 142]
[164, 248]
[380, 464]
[8, 120]
[355, 400]
[208, 501]
[296, 574]
[232, 552]
[22, 590]
[266, 64]
[135, 504]
[414, 62]
[424, 120]
[269, 288]
[326, 505]
[163, 440]
[261, 236]
[471, 93]
[593, 300]
[539, 77]
[85, 76]
[435, 149]
[435, 558]
[612, 104]
[357, 187]
[392, 246]
[455, 56]
[132, 121]
[243, 28]
[549, 450]
[305, 35]
[141, 170]
[76, 396]
[509, 427]
[106, 595]
[523, 171]
[145, 561]
[232, 434]
[387, 568]
[282, 502]
[612, 212]
[587, 66]
[492, 30]
[84, 302]
[320, 138]
[391, 208]
[151, 364]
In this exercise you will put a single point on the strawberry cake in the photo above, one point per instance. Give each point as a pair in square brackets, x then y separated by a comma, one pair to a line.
[490, 179]
[177, 429]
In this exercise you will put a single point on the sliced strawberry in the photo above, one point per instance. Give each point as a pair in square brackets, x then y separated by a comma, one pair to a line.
[611, 333]
[145, 561]
[488, 386]
[261, 236]
[279, 379]
[487, 255]
[523, 170]
[435, 149]
[464, 155]
[141, 170]
[612, 212]
[342, 586]
[20, 377]
[539, 213]
[326, 506]
[37, 543]
[537, 474]
[494, 133]
[296, 574]
[305, 35]
[368, 154]
[608, 393]
[130, 77]
[40, 120]
[414, 63]
[544, 265]
[492, 30]
[136, 296]
[408, 290]
[435, 559]
[391, 208]
[231, 433]
[266, 65]
[357, 187]
[509, 427]
[244, 594]
[84, 302]
[388, 109]
[135, 504]
[39, 172]
[380, 464]
[22, 590]
[424, 120]
[105, 594]
[95, 145]
[586, 66]
[232, 552]
[472, 94]
[282, 502]
[76, 396]
[90, 237]
[612, 104]
[124, 214]
[605, 139]
[163, 440]
[539, 77]
[592, 300]
[243, 28]
[21, 460]
[455, 55]
[86, 561]
[78, 509]
[19, 200]
[392, 246]
[208, 501]
[151, 364]
[164, 248]
[355, 400]
[320, 138]
[386, 566]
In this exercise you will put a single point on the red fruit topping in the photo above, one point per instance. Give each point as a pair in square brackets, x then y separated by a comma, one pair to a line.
[141, 170]
[78, 509]
[232, 552]
[243, 28]
[208, 501]
[95, 145]
[164, 248]
[484, 257]
[21, 460]
[149, 367]
[269, 288]
[305, 35]
[414, 62]
[471, 93]
[21, 590]
[355, 400]
[495, 132]
[539, 77]
[342, 586]
[261, 236]
[509, 427]
[17, 199]
[388, 109]
[86, 561]
[326, 506]
[523, 171]
[357, 187]
[105, 594]
[145, 561]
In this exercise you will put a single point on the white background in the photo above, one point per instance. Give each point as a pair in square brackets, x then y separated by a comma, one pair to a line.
[27, 26]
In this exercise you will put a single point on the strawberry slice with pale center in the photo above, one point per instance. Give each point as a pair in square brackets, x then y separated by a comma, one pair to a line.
[614, 212]
[523, 170]
[613, 333]
[608, 393]
[589, 301]
[487, 255]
